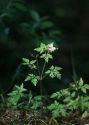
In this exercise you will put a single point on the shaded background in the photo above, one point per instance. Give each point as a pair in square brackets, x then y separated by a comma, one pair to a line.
[25, 23]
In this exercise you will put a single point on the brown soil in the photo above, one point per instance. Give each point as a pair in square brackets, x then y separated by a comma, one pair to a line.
[17, 117]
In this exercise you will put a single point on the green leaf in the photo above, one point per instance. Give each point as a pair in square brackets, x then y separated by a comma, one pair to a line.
[73, 94]
[86, 86]
[36, 102]
[20, 88]
[56, 95]
[32, 64]
[46, 57]
[81, 82]
[83, 103]
[28, 78]
[83, 89]
[57, 109]
[34, 79]
[42, 48]
[15, 96]
[25, 61]
[67, 99]
[54, 72]
[29, 63]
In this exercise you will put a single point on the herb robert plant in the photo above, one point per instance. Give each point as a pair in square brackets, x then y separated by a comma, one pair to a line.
[37, 73]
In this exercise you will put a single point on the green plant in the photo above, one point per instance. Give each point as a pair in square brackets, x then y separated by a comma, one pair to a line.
[36, 102]
[78, 97]
[75, 98]
[15, 96]
[57, 109]
[44, 52]
[38, 73]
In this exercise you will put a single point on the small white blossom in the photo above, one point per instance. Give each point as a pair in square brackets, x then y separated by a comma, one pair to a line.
[51, 48]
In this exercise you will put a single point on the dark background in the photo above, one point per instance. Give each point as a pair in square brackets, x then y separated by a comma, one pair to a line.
[25, 23]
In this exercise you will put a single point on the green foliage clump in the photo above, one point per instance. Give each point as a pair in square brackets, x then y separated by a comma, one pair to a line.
[54, 72]
[15, 96]
[57, 109]
[75, 98]
[78, 98]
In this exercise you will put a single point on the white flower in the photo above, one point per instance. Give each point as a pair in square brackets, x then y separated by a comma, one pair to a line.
[51, 48]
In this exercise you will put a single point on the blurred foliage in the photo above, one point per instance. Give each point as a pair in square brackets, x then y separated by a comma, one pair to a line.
[24, 24]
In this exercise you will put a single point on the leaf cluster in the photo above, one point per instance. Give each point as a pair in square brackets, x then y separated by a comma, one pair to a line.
[39, 73]
[53, 72]
[15, 96]
[57, 109]
[74, 98]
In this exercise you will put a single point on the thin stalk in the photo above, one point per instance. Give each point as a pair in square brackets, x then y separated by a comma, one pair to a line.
[38, 66]
[41, 87]
[40, 75]
[41, 90]
[41, 78]
[43, 70]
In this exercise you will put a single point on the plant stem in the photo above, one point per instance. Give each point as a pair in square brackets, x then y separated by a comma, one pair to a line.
[40, 75]
[43, 70]
[38, 66]
[41, 90]
[41, 78]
